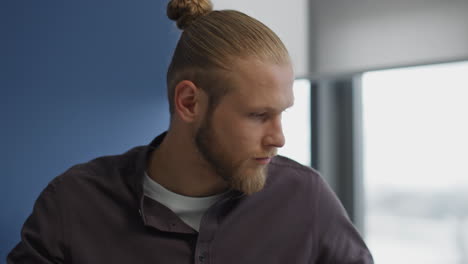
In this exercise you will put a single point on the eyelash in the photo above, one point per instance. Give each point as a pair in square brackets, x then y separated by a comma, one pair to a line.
[259, 116]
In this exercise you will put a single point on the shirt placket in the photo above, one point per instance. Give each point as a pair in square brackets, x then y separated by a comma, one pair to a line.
[208, 227]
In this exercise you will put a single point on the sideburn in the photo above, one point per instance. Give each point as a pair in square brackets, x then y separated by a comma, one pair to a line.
[204, 143]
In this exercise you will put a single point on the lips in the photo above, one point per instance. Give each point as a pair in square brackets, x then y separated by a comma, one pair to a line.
[264, 160]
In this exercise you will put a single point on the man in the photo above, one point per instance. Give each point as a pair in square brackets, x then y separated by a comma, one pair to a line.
[210, 189]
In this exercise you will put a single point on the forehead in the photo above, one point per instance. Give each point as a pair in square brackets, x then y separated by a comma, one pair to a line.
[258, 84]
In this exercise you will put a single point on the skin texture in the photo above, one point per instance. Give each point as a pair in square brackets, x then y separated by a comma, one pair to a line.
[207, 152]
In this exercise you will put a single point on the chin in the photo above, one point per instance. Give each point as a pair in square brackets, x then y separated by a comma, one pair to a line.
[249, 182]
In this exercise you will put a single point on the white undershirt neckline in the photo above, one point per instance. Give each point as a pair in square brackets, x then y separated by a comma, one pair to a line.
[189, 209]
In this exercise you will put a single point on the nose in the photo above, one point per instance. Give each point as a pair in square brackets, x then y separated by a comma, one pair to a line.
[275, 136]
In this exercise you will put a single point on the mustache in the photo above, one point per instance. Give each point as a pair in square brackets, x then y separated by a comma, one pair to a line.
[269, 154]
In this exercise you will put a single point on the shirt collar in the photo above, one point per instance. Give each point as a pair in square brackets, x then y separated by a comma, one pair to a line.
[145, 205]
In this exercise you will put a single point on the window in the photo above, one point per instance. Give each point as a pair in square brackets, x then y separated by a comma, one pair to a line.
[296, 125]
[416, 164]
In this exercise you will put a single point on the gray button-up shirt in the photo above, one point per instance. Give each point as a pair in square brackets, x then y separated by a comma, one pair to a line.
[97, 213]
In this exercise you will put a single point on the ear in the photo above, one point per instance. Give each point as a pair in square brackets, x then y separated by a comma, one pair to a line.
[187, 100]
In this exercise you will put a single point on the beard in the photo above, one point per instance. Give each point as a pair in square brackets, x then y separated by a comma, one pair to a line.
[233, 172]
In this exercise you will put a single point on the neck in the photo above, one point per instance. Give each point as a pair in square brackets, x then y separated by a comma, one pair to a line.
[178, 166]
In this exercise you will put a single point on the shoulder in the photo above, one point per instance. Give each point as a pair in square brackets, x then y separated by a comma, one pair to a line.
[285, 167]
[100, 172]
[109, 163]
[287, 172]
[287, 163]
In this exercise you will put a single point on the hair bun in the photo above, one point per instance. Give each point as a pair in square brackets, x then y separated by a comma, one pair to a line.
[185, 11]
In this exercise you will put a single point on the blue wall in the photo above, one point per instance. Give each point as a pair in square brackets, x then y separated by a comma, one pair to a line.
[78, 79]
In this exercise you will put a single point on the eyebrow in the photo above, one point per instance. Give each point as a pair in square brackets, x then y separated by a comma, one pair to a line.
[272, 109]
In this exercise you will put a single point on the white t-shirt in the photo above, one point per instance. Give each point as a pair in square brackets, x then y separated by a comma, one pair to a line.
[189, 209]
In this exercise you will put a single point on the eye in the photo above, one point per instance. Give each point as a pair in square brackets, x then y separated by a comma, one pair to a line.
[259, 116]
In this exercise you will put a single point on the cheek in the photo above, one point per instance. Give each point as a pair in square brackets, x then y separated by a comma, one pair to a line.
[243, 135]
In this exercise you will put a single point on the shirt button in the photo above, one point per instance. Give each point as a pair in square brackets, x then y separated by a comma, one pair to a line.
[201, 258]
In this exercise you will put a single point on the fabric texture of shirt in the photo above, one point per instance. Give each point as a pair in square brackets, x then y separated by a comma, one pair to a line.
[189, 209]
[97, 213]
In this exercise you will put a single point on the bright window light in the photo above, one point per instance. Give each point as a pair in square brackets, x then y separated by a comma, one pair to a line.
[416, 164]
[296, 125]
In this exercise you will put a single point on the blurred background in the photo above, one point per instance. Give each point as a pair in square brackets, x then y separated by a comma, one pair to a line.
[381, 105]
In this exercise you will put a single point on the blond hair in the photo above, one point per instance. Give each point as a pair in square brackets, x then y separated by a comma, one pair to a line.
[211, 41]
